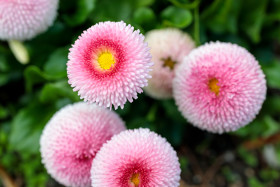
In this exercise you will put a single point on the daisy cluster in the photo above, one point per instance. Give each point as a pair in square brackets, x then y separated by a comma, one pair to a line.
[218, 87]
[87, 145]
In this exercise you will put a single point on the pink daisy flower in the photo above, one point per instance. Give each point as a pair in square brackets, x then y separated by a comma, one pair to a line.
[109, 64]
[24, 19]
[219, 87]
[136, 158]
[168, 48]
[71, 139]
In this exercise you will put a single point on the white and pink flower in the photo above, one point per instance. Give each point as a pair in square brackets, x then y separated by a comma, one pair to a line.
[109, 64]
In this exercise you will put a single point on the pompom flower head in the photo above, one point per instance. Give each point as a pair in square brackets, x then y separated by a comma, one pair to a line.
[136, 158]
[168, 48]
[71, 139]
[109, 64]
[219, 87]
[24, 19]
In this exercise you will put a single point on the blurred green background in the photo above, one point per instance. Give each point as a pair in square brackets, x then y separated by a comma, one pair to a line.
[31, 94]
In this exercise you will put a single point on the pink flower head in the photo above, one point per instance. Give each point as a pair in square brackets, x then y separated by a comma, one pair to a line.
[71, 139]
[109, 64]
[136, 158]
[219, 87]
[168, 48]
[24, 19]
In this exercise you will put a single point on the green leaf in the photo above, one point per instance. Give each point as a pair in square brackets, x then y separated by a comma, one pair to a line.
[27, 127]
[253, 18]
[269, 174]
[272, 73]
[176, 17]
[84, 8]
[260, 127]
[142, 3]
[145, 17]
[221, 16]
[33, 75]
[56, 64]
[53, 91]
[113, 10]
[254, 182]
[271, 125]
[248, 157]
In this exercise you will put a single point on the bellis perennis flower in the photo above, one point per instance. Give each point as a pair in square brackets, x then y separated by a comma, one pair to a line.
[109, 64]
[219, 87]
[24, 19]
[168, 48]
[136, 158]
[71, 139]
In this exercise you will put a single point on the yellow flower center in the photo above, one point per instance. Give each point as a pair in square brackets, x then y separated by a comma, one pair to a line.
[168, 62]
[212, 84]
[135, 179]
[106, 60]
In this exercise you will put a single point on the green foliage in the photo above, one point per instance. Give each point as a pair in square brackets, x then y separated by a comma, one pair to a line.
[254, 182]
[53, 91]
[248, 157]
[269, 174]
[145, 16]
[27, 127]
[176, 17]
[222, 16]
[3, 112]
[83, 10]
[229, 175]
[31, 94]
[272, 73]
[56, 64]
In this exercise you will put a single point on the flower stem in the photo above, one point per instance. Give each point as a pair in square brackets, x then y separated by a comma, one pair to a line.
[6, 179]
